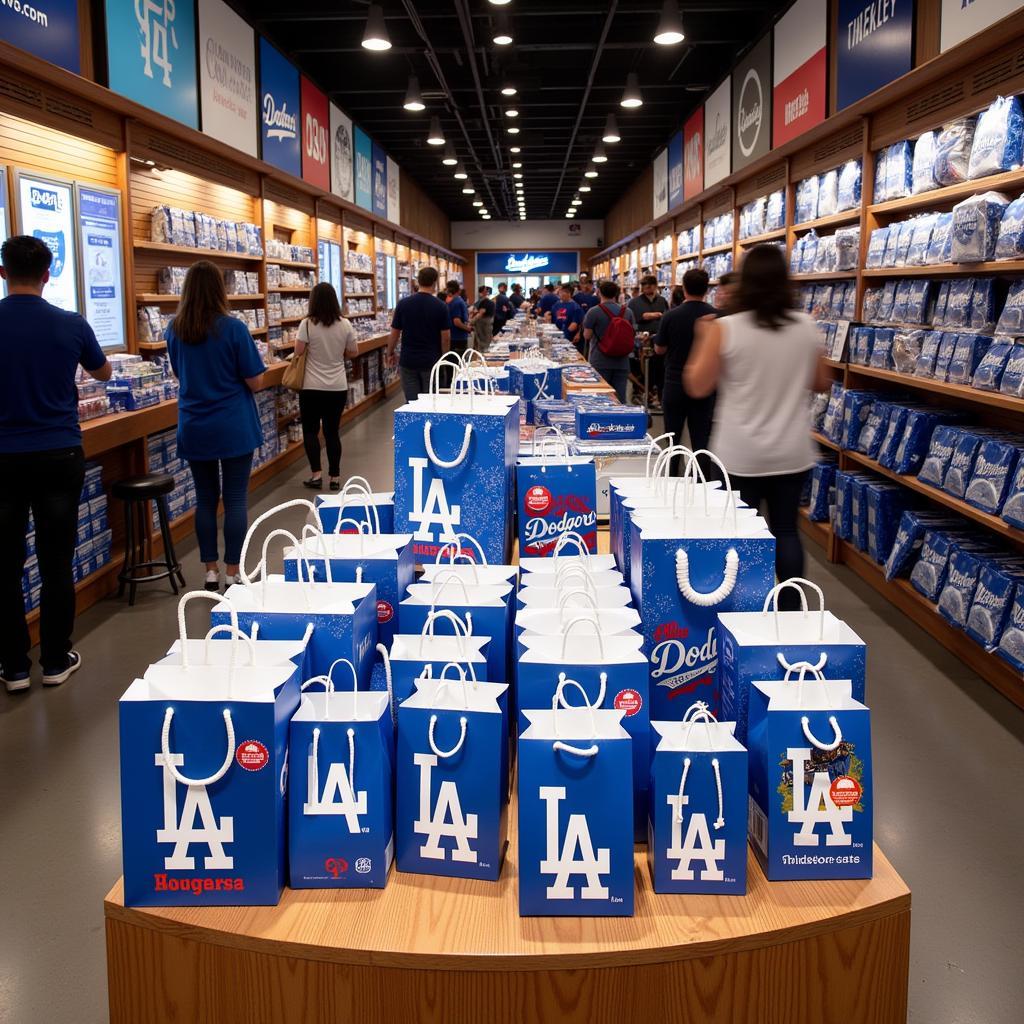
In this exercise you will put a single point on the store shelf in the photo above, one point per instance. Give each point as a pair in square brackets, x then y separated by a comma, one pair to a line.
[257, 330]
[768, 236]
[835, 220]
[290, 289]
[688, 256]
[938, 387]
[834, 364]
[286, 320]
[160, 297]
[89, 589]
[187, 250]
[818, 532]
[1011, 180]
[835, 275]
[291, 263]
[949, 269]
[822, 439]
[361, 273]
[367, 313]
[716, 249]
[359, 295]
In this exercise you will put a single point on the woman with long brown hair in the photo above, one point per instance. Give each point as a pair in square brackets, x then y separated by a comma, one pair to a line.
[219, 369]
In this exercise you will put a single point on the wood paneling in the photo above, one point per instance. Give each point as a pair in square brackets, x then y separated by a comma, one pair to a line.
[421, 215]
[168, 151]
[760, 184]
[288, 224]
[39, 148]
[634, 209]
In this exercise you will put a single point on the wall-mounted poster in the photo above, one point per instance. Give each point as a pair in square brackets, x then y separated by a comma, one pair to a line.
[151, 55]
[279, 109]
[380, 181]
[49, 31]
[752, 105]
[962, 19]
[876, 46]
[342, 156]
[675, 171]
[693, 154]
[316, 118]
[659, 199]
[99, 227]
[394, 193]
[46, 210]
[364, 170]
[717, 113]
[227, 77]
[800, 67]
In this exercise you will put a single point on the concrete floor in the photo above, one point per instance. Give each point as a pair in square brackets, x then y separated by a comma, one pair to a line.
[949, 758]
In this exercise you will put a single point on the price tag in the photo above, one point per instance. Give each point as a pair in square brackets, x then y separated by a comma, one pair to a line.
[838, 350]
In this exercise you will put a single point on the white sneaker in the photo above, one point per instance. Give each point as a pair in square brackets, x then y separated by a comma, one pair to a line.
[237, 578]
[212, 581]
[15, 681]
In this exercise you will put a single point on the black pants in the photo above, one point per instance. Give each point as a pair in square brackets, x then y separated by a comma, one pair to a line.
[682, 411]
[50, 484]
[322, 409]
[781, 495]
[655, 374]
[414, 382]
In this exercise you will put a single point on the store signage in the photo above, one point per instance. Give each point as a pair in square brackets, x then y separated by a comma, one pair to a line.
[151, 55]
[527, 262]
[99, 227]
[962, 19]
[394, 193]
[799, 70]
[49, 31]
[660, 197]
[693, 155]
[675, 171]
[876, 46]
[380, 181]
[342, 156]
[279, 111]
[752, 105]
[316, 126]
[46, 210]
[364, 170]
[227, 76]
[717, 132]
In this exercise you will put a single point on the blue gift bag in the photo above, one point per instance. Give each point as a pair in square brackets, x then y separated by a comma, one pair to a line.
[463, 557]
[698, 820]
[575, 815]
[340, 816]
[354, 507]
[556, 494]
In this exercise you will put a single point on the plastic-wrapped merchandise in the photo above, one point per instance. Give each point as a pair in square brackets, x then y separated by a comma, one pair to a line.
[987, 619]
[847, 248]
[910, 533]
[983, 305]
[859, 512]
[919, 296]
[887, 301]
[160, 229]
[822, 308]
[903, 240]
[906, 347]
[885, 505]
[941, 304]
[881, 348]
[924, 366]
[892, 242]
[872, 298]
[976, 227]
[873, 432]
[941, 242]
[928, 576]
[893, 436]
[807, 199]
[943, 441]
[848, 189]
[850, 301]
[917, 254]
[899, 307]
[222, 236]
[990, 369]
[1013, 375]
[862, 341]
[775, 211]
[998, 138]
[1011, 319]
[825, 258]
[961, 463]
[924, 164]
[876, 248]
[1013, 506]
[796, 255]
[1011, 643]
[993, 472]
[914, 445]
[828, 194]
[947, 346]
[808, 252]
[961, 580]
[899, 170]
[833, 423]
[970, 350]
[1010, 243]
[823, 482]
[953, 151]
[881, 158]
[958, 305]
[819, 406]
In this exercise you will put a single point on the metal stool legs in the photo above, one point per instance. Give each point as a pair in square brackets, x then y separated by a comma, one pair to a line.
[136, 568]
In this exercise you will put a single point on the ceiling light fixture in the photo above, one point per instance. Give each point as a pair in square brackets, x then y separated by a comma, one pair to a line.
[478, 202]
[670, 27]
[468, 190]
[515, 149]
[502, 33]
[522, 216]
[584, 188]
[413, 97]
[511, 112]
[518, 164]
[508, 89]
[449, 159]
[570, 214]
[518, 174]
[631, 96]
[500, 3]
[611, 130]
[512, 130]
[375, 35]
[600, 157]
[435, 137]
[460, 173]
[590, 173]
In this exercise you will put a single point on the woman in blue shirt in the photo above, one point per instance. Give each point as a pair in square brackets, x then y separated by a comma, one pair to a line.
[216, 362]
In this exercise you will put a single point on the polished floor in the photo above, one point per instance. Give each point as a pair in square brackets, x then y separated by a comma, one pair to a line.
[949, 763]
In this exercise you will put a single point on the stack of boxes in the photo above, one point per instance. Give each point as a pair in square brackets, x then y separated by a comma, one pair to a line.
[266, 406]
[162, 456]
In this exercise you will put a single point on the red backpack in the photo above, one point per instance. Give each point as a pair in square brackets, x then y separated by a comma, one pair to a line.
[619, 338]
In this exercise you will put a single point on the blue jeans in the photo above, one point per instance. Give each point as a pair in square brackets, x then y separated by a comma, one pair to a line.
[227, 478]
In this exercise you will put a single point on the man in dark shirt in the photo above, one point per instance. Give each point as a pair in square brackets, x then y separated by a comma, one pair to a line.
[483, 319]
[421, 321]
[547, 300]
[517, 298]
[648, 308]
[586, 298]
[675, 340]
[458, 316]
[502, 307]
[568, 316]
[41, 460]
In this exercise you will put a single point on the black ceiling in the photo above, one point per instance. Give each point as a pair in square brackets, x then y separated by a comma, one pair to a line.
[569, 61]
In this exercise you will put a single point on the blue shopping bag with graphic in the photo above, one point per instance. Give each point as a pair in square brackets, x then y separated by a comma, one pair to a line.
[340, 814]
[811, 793]
[758, 644]
[451, 805]
[534, 379]
[454, 468]
[356, 506]
[698, 822]
[203, 754]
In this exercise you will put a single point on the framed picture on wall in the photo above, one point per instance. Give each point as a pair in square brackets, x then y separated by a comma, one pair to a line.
[46, 210]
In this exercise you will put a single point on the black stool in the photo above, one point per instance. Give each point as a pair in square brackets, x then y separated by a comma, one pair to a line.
[135, 491]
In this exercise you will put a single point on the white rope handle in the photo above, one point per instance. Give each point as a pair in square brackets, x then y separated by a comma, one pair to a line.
[575, 622]
[805, 724]
[663, 463]
[796, 583]
[716, 768]
[235, 633]
[698, 712]
[294, 503]
[458, 746]
[355, 483]
[454, 544]
[351, 733]
[598, 701]
[316, 540]
[445, 682]
[564, 598]
[558, 700]
[577, 574]
[165, 747]
[442, 580]
[572, 538]
[355, 683]
[364, 498]
[206, 595]
[434, 384]
[568, 569]
[471, 355]
[656, 447]
[386, 659]
[446, 463]
[727, 482]
[262, 569]
[712, 597]
[460, 628]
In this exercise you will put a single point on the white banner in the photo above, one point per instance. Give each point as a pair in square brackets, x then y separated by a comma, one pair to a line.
[394, 193]
[660, 184]
[717, 134]
[342, 155]
[799, 35]
[962, 19]
[227, 76]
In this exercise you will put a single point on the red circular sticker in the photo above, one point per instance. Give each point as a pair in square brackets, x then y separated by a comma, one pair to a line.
[845, 792]
[538, 500]
[252, 755]
[385, 613]
[629, 701]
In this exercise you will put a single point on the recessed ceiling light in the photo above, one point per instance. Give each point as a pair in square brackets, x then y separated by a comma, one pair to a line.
[435, 137]
[511, 112]
[670, 26]
[611, 130]
[478, 202]
[584, 188]
[488, 217]
[502, 33]
[449, 159]
[508, 89]
[515, 149]
[375, 35]
[518, 164]
[518, 174]
[460, 173]
[512, 130]
[631, 96]
[500, 3]
[522, 216]
[413, 98]
[469, 190]
[569, 214]
[600, 157]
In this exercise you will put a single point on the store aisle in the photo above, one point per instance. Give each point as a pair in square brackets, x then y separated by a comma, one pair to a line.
[948, 754]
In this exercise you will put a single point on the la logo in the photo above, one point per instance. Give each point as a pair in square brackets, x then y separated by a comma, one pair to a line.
[446, 819]
[818, 808]
[185, 832]
[564, 863]
[338, 797]
[432, 513]
[697, 846]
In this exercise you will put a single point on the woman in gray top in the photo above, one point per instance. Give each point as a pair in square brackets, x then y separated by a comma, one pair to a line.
[614, 369]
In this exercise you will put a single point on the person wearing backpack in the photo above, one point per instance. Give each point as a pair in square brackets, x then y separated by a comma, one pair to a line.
[610, 332]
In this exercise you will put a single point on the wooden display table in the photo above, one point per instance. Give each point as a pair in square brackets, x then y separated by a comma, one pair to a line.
[431, 950]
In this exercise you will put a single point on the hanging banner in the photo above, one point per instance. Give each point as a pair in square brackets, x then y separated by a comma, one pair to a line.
[364, 170]
[962, 19]
[380, 181]
[394, 193]
[50, 32]
[693, 154]
[660, 198]
[876, 46]
[342, 156]
[800, 69]
[227, 76]
[752, 105]
[316, 120]
[280, 105]
[99, 226]
[675, 171]
[717, 111]
[151, 55]
[46, 210]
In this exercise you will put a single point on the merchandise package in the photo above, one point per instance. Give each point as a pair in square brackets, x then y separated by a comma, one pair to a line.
[1011, 643]
[885, 504]
[608, 422]
[998, 139]
[1011, 320]
[953, 151]
[823, 478]
[556, 495]
[872, 300]
[856, 409]
[924, 164]
[848, 197]
[943, 442]
[944, 354]
[920, 240]
[909, 539]
[203, 760]
[775, 211]
[575, 855]
[916, 434]
[961, 461]
[957, 593]
[993, 601]
[807, 200]
[811, 795]
[903, 240]
[1013, 506]
[992, 474]
[957, 310]
[451, 780]
[876, 248]
[887, 300]
[881, 348]
[893, 436]
[906, 348]
[929, 573]
[808, 252]
[873, 432]
[968, 354]
[899, 171]
[697, 840]
[878, 194]
[828, 193]
[983, 305]
[341, 771]
[924, 365]
[1013, 376]
[989, 372]
[941, 308]
[1010, 244]
[976, 223]
[826, 259]
[941, 241]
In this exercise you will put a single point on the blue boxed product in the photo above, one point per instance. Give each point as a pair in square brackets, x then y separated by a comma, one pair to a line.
[872, 297]
[941, 241]
[843, 521]
[917, 255]
[796, 255]
[906, 347]
[998, 581]
[856, 409]
[940, 451]
[958, 305]
[961, 463]
[807, 199]
[909, 537]
[925, 364]
[976, 227]
[775, 211]
[1011, 643]
[850, 300]
[1013, 376]
[808, 252]
[924, 164]
[619, 422]
[918, 300]
[825, 259]
[823, 482]
[848, 191]
[893, 436]
[957, 593]
[947, 346]
[953, 151]
[1013, 506]
[828, 193]
[899, 170]
[861, 344]
[881, 348]
[990, 370]
[941, 304]
[876, 248]
[929, 574]
[885, 503]
[905, 237]
[993, 471]
[899, 303]
[970, 350]
[833, 424]
[983, 305]
[998, 138]
[859, 512]
[878, 195]
[1011, 320]
[892, 245]
[1010, 243]
[873, 432]
[914, 445]
[822, 307]
[887, 301]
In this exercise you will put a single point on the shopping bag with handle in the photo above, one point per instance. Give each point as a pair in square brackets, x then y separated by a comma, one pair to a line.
[359, 504]
[340, 814]
[575, 813]
[570, 549]
[698, 820]
[204, 755]
[462, 556]
[811, 794]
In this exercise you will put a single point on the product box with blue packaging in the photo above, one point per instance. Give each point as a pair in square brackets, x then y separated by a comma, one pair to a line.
[953, 151]
[808, 252]
[957, 593]
[958, 306]
[881, 349]
[1010, 243]
[1011, 319]
[939, 310]
[1012, 382]
[917, 255]
[872, 434]
[984, 298]
[909, 537]
[989, 372]
[961, 462]
[893, 436]
[856, 409]
[924, 162]
[993, 471]
[887, 301]
[885, 505]
[1013, 504]
[899, 306]
[976, 227]
[807, 199]
[924, 365]
[941, 242]
[969, 351]
[940, 451]
[861, 344]
[890, 258]
[997, 139]
[876, 248]
[832, 425]
[998, 581]
[619, 422]
[899, 170]
[944, 355]
[928, 576]
[914, 446]
[906, 347]
[919, 296]
[1011, 643]
[823, 482]
[848, 191]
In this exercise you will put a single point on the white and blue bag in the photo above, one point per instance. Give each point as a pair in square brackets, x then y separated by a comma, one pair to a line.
[462, 556]
[359, 505]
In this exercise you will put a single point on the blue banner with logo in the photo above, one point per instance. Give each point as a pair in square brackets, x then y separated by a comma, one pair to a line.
[279, 110]
[364, 170]
[527, 261]
[50, 32]
[675, 170]
[876, 45]
[380, 181]
[151, 55]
